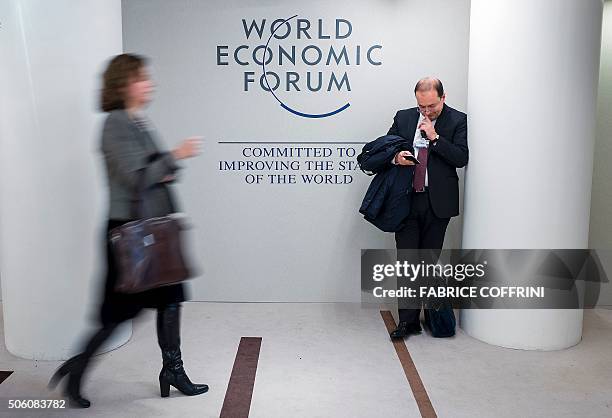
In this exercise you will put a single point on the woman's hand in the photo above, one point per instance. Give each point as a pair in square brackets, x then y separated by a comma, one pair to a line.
[189, 148]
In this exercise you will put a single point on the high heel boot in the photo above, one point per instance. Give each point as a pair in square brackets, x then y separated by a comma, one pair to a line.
[168, 337]
[62, 371]
[76, 366]
[73, 367]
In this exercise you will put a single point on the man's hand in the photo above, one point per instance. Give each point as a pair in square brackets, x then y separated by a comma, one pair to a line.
[399, 158]
[428, 127]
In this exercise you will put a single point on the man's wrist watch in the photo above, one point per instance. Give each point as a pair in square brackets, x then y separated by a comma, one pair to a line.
[435, 138]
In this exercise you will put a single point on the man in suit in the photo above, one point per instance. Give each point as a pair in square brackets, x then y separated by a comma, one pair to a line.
[439, 135]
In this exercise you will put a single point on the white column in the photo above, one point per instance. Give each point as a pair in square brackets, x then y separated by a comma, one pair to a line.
[52, 201]
[532, 91]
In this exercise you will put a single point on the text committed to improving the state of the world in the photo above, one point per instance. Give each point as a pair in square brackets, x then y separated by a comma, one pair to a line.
[316, 165]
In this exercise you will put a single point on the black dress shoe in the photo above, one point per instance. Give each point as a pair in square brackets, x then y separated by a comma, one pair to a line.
[404, 329]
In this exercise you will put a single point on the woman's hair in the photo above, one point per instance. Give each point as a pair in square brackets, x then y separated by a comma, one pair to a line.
[119, 72]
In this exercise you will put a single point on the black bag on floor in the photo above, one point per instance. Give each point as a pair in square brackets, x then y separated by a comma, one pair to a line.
[441, 321]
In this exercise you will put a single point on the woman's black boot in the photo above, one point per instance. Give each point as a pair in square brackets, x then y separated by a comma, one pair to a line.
[76, 366]
[73, 391]
[62, 371]
[168, 337]
[73, 367]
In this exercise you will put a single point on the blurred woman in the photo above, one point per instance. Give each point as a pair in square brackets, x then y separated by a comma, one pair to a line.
[133, 160]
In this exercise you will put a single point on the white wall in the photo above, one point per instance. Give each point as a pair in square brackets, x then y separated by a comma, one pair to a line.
[286, 242]
[600, 233]
[174, 91]
[52, 200]
[601, 225]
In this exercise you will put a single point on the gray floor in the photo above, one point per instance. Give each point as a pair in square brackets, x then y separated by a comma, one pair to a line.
[332, 360]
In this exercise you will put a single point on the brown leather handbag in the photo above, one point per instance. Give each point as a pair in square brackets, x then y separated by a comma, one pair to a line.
[148, 251]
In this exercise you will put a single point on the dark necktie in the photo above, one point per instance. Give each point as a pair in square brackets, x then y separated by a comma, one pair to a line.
[419, 172]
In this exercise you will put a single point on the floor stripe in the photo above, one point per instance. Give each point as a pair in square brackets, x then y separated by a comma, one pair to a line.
[4, 374]
[416, 384]
[239, 392]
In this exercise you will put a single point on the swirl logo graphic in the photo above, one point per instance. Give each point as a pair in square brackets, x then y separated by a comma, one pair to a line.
[285, 85]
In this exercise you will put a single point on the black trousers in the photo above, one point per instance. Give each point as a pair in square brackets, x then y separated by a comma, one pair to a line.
[423, 230]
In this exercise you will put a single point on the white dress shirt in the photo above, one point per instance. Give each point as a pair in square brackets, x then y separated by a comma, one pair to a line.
[417, 137]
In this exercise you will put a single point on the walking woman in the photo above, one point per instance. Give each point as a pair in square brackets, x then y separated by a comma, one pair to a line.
[129, 148]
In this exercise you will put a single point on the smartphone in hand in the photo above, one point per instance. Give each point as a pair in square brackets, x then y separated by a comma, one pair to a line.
[412, 158]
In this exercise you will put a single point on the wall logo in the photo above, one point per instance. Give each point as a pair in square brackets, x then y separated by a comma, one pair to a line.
[301, 58]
